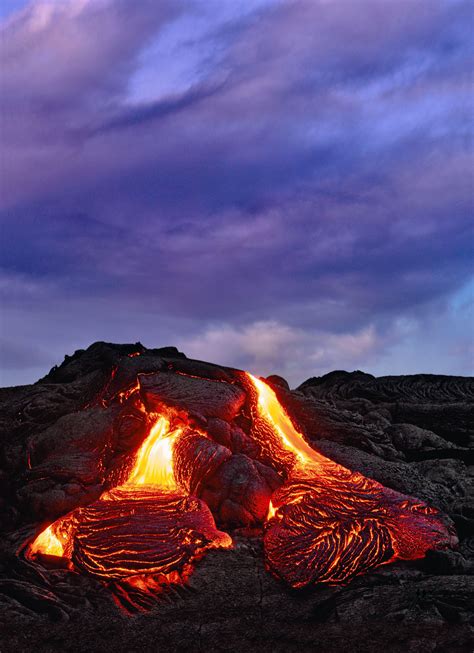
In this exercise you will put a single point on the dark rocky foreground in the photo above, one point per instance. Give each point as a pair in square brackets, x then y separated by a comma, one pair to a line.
[62, 438]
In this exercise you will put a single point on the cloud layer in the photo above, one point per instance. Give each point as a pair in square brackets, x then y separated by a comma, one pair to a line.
[281, 186]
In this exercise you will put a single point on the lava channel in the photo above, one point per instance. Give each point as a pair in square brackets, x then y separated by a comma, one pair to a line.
[328, 524]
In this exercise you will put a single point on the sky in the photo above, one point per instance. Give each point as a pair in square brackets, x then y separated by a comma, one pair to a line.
[280, 186]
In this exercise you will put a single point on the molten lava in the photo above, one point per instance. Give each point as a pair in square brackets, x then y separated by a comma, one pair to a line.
[146, 532]
[146, 528]
[328, 524]
[154, 462]
[48, 543]
[323, 523]
[273, 412]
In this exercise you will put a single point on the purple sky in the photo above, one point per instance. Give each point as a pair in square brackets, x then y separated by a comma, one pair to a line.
[285, 187]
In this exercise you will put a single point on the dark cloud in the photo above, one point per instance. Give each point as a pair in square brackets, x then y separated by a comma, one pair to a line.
[313, 182]
[152, 111]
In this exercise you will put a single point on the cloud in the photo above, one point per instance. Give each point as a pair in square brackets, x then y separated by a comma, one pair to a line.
[259, 343]
[308, 175]
[270, 347]
[60, 56]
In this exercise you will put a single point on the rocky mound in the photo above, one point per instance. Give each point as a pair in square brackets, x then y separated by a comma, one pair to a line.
[63, 439]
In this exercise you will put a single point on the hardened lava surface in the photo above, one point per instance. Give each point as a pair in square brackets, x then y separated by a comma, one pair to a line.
[196, 497]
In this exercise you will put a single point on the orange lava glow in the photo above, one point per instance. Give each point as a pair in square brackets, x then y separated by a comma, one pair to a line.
[153, 467]
[154, 461]
[324, 523]
[144, 533]
[48, 543]
[272, 411]
[271, 511]
[328, 524]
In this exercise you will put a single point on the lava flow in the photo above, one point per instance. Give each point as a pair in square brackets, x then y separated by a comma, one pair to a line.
[145, 526]
[323, 523]
[328, 524]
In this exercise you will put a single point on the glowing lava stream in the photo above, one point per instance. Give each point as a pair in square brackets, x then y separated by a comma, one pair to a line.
[153, 467]
[274, 413]
[154, 462]
[271, 409]
[47, 543]
[328, 524]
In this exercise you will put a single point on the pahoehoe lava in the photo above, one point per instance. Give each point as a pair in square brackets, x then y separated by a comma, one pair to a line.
[129, 465]
[326, 523]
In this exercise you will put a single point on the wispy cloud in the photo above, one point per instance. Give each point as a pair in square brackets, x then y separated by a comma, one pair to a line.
[269, 347]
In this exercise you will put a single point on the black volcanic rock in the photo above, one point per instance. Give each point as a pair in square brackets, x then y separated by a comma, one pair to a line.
[442, 404]
[279, 381]
[65, 438]
[197, 396]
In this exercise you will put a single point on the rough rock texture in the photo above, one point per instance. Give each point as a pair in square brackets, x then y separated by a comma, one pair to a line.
[65, 439]
[192, 395]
